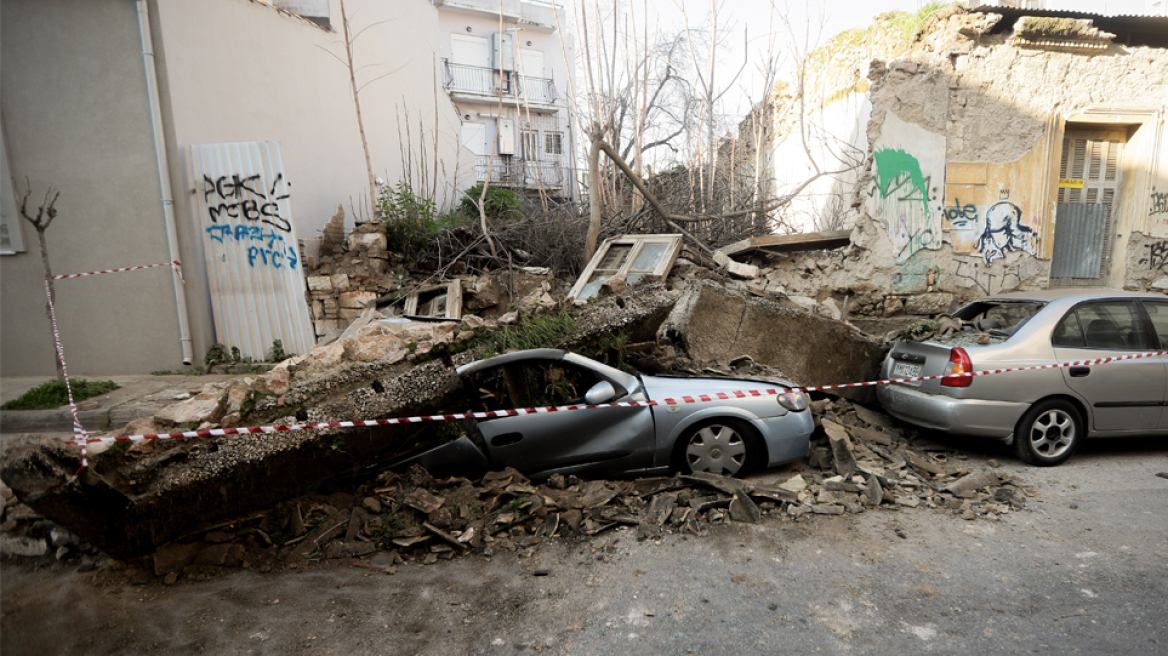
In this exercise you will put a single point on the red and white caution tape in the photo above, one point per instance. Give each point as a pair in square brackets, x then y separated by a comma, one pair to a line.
[699, 398]
[989, 372]
[176, 265]
[79, 434]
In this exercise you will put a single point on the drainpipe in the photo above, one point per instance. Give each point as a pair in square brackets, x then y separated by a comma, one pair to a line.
[180, 298]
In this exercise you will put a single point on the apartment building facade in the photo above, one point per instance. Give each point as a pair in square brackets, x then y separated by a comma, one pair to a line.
[506, 68]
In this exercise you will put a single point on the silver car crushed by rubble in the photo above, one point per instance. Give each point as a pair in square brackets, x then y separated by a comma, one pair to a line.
[727, 437]
[1044, 413]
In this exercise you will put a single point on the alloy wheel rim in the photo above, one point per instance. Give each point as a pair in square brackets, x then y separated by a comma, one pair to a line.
[717, 449]
[1053, 433]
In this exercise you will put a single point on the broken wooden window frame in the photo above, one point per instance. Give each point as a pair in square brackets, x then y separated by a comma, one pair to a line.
[631, 250]
[450, 295]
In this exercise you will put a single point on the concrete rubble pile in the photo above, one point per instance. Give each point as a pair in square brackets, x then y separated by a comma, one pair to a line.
[862, 460]
[134, 499]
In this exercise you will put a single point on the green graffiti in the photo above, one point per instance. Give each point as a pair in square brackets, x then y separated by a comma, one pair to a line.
[890, 164]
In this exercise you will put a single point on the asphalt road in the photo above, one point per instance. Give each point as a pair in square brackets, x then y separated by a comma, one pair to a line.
[1082, 570]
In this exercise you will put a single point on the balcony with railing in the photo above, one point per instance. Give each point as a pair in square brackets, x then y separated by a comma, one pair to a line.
[483, 82]
[521, 173]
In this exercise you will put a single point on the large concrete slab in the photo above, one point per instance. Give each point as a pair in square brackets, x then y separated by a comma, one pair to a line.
[714, 323]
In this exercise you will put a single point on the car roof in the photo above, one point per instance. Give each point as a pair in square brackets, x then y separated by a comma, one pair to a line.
[1074, 293]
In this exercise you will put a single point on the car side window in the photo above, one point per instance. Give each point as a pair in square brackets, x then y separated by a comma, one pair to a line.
[1113, 326]
[491, 389]
[1158, 312]
[1068, 333]
[558, 383]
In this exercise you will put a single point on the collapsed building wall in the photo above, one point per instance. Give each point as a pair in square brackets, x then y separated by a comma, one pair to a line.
[991, 151]
[982, 142]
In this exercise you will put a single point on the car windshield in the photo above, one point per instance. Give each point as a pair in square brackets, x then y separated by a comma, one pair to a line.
[997, 318]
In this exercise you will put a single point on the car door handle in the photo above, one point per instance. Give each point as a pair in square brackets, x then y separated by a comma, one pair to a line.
[1079, 372]
[506, 439]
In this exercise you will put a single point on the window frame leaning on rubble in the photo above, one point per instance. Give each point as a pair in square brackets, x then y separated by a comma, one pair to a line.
[453, 296]
[637, 244]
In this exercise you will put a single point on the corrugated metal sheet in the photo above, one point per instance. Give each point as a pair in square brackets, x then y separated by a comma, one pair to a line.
[250, 248]
[1131, 30]
[1079, 234]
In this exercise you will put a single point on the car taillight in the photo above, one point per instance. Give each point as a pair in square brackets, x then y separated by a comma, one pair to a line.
[958, 364]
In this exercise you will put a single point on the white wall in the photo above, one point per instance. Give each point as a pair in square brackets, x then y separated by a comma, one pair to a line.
[76, 116]
[837, 138]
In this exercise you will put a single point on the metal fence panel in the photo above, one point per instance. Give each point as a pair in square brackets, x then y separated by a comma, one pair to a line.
[1079, 233]
[250, 248]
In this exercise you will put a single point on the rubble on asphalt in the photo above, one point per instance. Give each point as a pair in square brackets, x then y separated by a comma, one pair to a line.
[133, 500]
[861, 461]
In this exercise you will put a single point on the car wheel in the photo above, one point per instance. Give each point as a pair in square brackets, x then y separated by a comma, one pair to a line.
[1049, 433]
[723, 446]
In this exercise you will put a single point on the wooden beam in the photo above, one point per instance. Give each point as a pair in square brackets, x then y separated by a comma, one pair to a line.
[807, 241]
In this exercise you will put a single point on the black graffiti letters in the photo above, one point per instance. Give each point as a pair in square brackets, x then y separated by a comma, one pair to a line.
[1157, 255]
[245, 198]
[1159, 203]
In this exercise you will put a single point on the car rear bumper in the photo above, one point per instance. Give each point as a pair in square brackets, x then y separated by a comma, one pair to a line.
[995, 419]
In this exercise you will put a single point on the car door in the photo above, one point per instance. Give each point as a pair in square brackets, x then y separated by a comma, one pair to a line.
[1157, 312]
[1125, 395]
[608, 439]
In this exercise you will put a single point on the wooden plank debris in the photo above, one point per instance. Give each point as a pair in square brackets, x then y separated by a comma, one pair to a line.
[807, 241]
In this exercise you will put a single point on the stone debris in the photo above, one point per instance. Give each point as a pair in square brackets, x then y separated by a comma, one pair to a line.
[374, 368]
[872, 463]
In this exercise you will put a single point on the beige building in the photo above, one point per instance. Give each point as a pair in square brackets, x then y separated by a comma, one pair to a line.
[505, 66]
[116, 131]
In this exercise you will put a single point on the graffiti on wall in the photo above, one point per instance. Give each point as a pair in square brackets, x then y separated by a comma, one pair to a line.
[246, 214]
[1157, 255]
[1159, 203]
[991, 230]
[972, 274]
[902, 198]
[247, 198]
[901, 193]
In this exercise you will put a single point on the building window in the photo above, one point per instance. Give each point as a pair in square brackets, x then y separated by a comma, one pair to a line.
[554, 143]
[631, 255]
[530, 144]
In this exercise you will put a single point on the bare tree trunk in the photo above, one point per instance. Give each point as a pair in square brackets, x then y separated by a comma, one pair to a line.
[44, 216]
[357, 104]
[593, 195]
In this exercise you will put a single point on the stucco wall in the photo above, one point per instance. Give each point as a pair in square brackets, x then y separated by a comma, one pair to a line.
[75, 116]
[1001, 111]
[837, 137]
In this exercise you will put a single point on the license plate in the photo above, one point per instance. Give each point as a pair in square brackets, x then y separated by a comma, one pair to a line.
[905, 370]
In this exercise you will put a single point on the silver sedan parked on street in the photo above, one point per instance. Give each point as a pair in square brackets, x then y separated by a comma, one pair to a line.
[726, 437]
[1044, 413]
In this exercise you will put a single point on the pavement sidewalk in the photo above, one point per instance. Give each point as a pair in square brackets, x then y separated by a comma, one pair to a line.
[136, 396]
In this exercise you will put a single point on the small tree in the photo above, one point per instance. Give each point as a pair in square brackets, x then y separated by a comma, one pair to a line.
[44, 216]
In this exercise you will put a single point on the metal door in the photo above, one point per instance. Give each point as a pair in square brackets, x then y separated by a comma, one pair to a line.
[1089, 174]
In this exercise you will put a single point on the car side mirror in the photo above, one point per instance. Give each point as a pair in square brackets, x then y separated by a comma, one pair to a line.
[601, 392]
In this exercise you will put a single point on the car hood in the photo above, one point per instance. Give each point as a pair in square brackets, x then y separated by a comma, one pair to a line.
[655, 386]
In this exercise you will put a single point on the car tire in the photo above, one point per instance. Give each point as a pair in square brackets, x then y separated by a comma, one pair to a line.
[1049, 433]
[729, 447]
